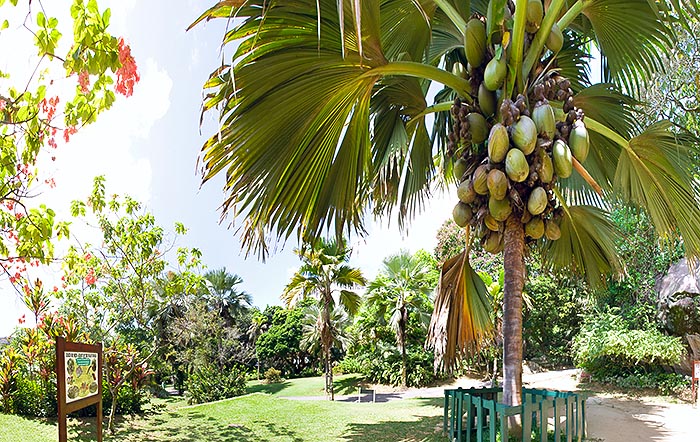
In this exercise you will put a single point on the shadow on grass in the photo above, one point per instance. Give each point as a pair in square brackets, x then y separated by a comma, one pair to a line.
[267, 388]
[348, 385]
[423, 429]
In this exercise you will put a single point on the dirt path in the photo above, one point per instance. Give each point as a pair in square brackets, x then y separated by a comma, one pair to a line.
[610, 418]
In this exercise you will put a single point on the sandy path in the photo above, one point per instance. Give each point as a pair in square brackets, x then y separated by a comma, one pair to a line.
[610, 418]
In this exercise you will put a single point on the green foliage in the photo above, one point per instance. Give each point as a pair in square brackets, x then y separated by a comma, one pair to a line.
[553, 319]
[384, 367]
[273, 376]
[34, 397]
[209, 383]
[280, 345]
[670, 384]
[607, 346]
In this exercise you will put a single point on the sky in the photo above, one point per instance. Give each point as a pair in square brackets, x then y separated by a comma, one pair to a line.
[147, 146]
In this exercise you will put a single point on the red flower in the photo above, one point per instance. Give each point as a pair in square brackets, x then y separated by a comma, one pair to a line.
[127, 74]
[84, 81]
[90, 278]
[67, 132]
[88, 257]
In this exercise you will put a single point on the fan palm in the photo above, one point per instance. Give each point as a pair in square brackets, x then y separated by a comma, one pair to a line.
[401, 289]
[326, 277]
[223, 295]
[323, 114]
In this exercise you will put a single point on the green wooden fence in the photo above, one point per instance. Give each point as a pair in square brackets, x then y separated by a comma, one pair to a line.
[476, 415]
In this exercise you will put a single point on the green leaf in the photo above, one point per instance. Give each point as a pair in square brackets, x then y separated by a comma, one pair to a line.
[586, 246]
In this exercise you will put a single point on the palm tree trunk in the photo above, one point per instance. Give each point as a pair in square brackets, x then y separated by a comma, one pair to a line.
[402, 345]
[327, 341]
[514, 281]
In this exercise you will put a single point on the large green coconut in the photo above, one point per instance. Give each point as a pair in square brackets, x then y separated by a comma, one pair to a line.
[561, 156]
[497, 184]
[493, 242]
[524, 134]
[498, 143]
[517, 168]
[475, 42]
[459, 168]
[546, 170]
[459, 70]
[499, 209]
[552, 231]
[555, 39]
[537, 201]
[462, 214]
[491, 223]
[543, 116]
[487, 101]
[479, 180]
[495, 73]
[535, 228]
[478, 127]
[578, 141]
[465, 192]
[535, 13]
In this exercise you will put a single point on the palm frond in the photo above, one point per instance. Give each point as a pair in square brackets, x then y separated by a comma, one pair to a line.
[654, 172]
[632, 37]
[350, 301]
[461, 321]
[586, 246]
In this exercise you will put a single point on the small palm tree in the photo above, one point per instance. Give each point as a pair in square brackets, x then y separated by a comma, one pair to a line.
[402, 289]
[325, 277]
[223, 296]
[324, 117]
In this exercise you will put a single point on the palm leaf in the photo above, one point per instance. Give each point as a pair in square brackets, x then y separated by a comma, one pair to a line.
[631, 36]
[654, 173]
[461, 322]
[586, 246]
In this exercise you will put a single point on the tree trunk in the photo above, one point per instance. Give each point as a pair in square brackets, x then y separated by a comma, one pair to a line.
[402, 346]
[326, 342]
[113, 409]
[514, 281]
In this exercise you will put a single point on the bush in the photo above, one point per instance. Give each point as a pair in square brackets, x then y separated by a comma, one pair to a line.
[607, 347]
[209, 383]
[349, 365]
[386, 368]
[273, 376]
[670, 384]
[34, 397]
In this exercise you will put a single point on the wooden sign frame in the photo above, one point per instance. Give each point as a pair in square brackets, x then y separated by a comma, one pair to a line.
[65, 407]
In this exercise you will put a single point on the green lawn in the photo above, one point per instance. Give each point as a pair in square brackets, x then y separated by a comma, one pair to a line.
[256, 417]
[343, 385]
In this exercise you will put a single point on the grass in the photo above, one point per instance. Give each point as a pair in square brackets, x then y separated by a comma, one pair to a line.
[342, 385]
[257, 417]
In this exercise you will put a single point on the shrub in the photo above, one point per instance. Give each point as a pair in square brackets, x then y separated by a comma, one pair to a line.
[34, 397]
[350, 364]
[665, 383]
[273, 376]
[386, 368]
[208, 383]
[606, 347]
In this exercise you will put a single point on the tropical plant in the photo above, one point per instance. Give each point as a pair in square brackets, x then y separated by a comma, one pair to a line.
[401, 289]
[323, 116]
[224, 296]
[326, 277]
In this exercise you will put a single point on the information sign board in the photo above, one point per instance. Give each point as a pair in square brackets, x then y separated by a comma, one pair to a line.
[79, 376]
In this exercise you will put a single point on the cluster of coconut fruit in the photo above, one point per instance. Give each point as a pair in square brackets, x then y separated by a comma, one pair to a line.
[508, 154]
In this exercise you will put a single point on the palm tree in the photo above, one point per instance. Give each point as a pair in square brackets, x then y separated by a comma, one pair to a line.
[325, 277]
[223, 296]
[402, 289]
[323, 114]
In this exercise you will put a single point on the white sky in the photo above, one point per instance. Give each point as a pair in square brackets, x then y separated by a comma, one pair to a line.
[147, 146]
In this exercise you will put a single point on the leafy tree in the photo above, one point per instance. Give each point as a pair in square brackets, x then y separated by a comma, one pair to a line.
[401, 289]
[329, 116]
[325, 277]
[38, 111]
[279, 346]
[120, 289]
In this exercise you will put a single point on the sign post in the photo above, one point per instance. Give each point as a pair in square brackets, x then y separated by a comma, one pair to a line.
[79, 376]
